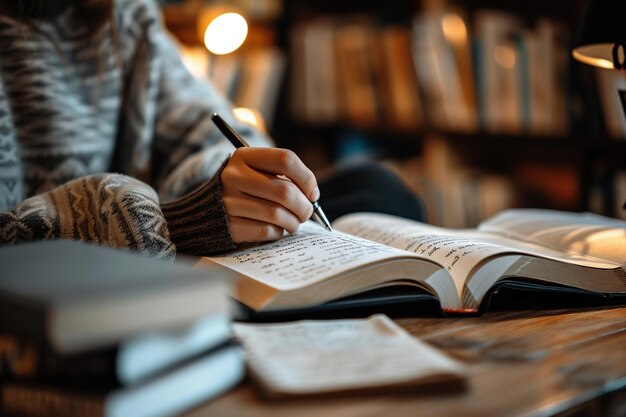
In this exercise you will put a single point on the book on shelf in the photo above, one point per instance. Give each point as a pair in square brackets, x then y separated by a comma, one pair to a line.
[535, 87]
[313, 82]
[499, 69]
[559, 252]
[260, 81]
[402, 106]
[359, 356]
[427, 56]
[297, 76]
[170, 393]
[356, 72]
[443, 63]
[75, 297]
[554, 69]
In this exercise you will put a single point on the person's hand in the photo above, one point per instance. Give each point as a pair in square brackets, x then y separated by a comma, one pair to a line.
[265, 192]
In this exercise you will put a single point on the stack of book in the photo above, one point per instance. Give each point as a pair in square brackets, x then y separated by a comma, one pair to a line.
[87, 330]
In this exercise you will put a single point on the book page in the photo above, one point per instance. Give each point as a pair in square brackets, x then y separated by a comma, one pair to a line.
[310, 255]
[459, 255]
[459, 251]
[578, 233]
[309, 357]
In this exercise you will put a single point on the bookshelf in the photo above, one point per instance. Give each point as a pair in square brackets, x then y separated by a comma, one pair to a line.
[373, 78]
[556, 155]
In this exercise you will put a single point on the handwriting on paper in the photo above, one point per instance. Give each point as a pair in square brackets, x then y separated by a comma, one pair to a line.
[309, 255]
[456, 253]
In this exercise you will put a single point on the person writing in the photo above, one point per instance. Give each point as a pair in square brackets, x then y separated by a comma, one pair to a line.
[106, 138]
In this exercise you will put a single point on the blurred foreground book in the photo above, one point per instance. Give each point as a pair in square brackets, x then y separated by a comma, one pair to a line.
[184, 387]
[84, 327]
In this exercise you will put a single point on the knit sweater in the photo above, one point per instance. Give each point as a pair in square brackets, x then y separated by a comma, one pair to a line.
[109, 142]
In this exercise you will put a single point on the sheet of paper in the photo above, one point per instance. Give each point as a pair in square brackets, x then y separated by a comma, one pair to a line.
[312, 254]
[321, 356]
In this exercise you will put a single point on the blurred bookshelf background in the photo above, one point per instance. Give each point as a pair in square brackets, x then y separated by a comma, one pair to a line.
[476, 104]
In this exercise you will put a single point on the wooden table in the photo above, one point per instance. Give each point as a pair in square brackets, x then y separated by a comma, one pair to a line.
[566, 363]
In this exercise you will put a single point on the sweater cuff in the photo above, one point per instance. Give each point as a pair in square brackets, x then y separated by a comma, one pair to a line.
[197, 221]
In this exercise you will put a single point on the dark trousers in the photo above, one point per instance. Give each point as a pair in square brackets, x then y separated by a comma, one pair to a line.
[368, 186]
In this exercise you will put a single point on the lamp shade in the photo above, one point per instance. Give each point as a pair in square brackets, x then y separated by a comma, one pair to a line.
[602, 37]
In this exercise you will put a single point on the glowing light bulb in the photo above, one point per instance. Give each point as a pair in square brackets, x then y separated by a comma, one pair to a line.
[226, 33]
[454, 29]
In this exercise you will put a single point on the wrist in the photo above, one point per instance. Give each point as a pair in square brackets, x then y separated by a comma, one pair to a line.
[197, 222]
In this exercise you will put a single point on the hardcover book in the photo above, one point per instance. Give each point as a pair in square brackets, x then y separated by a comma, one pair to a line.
[75, 297]
[167, 394]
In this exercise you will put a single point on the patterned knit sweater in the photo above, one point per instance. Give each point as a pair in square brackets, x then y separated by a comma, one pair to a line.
[109, 142]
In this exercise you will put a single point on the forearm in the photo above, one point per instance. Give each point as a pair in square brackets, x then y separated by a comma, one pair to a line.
[108, 209]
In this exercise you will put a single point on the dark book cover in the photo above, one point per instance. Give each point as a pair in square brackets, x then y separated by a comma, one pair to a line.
[75, 297]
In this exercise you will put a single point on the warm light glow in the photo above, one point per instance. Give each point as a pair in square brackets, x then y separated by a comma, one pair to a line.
[226, 33]
[454, 29]
[505, 56]
[592, 240]
[196, 60]
[598, 55]
[249, 116]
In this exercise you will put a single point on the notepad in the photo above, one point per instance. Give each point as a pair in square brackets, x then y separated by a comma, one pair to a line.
[361, 355]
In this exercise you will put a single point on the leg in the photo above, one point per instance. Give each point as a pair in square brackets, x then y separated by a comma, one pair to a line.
[368, 186]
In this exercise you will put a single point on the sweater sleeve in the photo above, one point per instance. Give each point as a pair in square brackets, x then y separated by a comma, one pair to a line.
[187, 149]
[108, 209]
[197, 221]
[188, 152]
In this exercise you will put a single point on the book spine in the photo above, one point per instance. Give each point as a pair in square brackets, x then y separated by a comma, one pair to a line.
[19, 316]
[27, 401]
[26, 361]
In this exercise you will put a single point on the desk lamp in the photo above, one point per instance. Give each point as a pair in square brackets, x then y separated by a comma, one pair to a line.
[602, 40]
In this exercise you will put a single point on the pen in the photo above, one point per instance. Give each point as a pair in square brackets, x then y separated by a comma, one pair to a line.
[239, 142]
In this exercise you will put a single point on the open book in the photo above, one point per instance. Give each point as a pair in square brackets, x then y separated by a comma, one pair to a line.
[536, 248]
